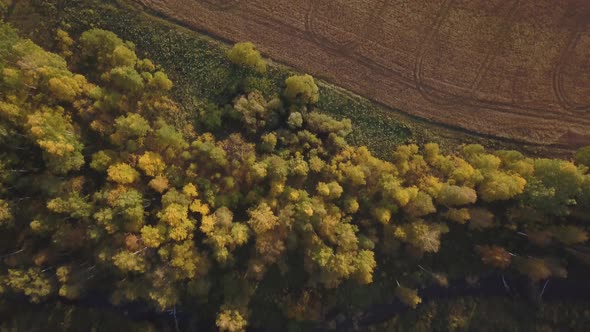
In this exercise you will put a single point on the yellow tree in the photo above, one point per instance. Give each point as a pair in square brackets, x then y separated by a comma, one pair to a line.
[151, 163]
[301, 89]
[122, 173]
[53, 131]
[246, 55]
[231, 321]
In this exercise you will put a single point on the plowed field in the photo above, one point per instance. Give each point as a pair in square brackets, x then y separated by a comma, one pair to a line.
[517, 69]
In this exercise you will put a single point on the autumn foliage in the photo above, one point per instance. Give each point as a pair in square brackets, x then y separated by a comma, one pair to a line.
[117, 191]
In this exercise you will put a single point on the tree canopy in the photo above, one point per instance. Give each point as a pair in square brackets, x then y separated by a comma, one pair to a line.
[115, 194]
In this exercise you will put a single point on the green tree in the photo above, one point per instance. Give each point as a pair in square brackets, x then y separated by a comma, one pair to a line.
[301, 89]
[161, 82]
[99, 46]
[246, 55]
[130, 129]
[127, 80]
[324, 124]
[582, 156]
[31, 282]
[253, 109]
[8, 38]
[64, 43]
[122, 173]
[554, 186]
[54, 132]
[501, 186]
[102, 159]
[168, 139]
[74, 205]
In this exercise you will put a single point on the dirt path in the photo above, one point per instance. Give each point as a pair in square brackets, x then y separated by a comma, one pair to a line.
[517, 69]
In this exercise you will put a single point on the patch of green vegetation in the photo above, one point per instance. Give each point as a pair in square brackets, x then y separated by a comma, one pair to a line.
[372, 129]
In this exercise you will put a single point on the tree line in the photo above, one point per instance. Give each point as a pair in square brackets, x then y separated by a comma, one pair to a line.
[105, 184]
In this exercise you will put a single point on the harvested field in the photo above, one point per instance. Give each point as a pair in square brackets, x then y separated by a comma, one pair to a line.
[517, 69]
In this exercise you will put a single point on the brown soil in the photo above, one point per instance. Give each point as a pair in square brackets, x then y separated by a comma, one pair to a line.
[517, 69]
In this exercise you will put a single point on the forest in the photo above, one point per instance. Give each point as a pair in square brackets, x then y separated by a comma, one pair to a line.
[259, 202]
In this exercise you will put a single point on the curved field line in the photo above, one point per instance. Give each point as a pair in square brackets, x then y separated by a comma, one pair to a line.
[407, 80]
[559, 89]
[345, 47]
[433, 94]
[419, 63]
[261, 17]
[257, 12]
[314, 33]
